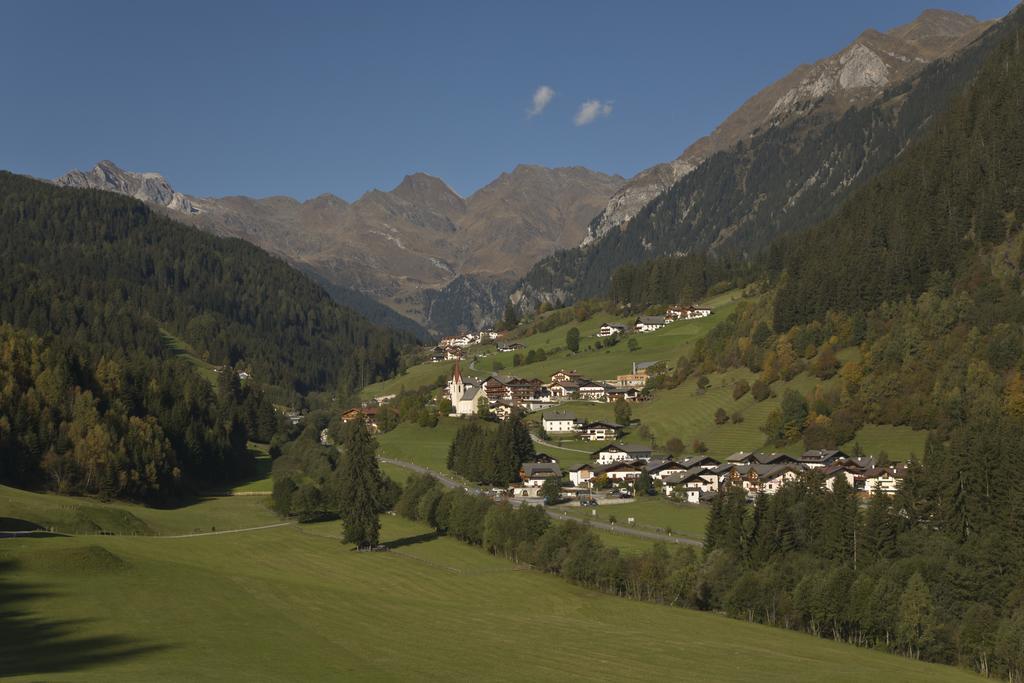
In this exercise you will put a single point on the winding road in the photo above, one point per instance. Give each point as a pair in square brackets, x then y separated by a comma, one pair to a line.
[475, 490]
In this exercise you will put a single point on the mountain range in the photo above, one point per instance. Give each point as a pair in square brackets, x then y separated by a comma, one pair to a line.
[401, 247]
[423, 258]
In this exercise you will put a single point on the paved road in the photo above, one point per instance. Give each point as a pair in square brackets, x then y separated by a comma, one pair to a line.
[614, 528]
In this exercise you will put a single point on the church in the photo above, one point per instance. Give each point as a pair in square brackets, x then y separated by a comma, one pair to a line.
[463, 394]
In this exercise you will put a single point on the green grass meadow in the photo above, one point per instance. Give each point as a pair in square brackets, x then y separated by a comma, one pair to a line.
[292, 603]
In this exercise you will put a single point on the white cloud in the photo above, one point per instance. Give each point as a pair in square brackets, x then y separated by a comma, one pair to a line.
[541, 98]
[590, 110]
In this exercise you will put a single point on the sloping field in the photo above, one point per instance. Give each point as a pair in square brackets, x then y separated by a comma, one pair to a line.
[292, 603]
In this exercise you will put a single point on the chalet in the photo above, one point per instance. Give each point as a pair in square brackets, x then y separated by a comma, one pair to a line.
[758, 458]
[757, 478]
[593, 391]
[687, 312]
[621, 452]
[452, 353]
[821, 458]
[563, 390]
[882, 480]
[834, 472]
[536, 473]
[369, 414]
[659, 468]
[611, 329]
[599, 431]
[690, 484]
[649, 323]
[620, 471]
[705, 462]
[437, 355]
[565, 376]
[506, 348]
[581, 474]
[625, 393]
[460, 341]
[543, 457]
[514, 389]
[488, 335]
[559, 423]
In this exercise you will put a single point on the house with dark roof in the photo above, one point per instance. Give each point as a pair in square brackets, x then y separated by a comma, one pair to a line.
[559, 422]
[821, 458]
[621, 452]
[599, 431]
[536, 473]
[659, 468]
[611, 329]
[620, 471]
[759, 458]
[581, 474]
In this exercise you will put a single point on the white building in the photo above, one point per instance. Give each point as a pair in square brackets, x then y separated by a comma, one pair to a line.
[649, 323]
[462, 394]
[559, 422]
[611, 329]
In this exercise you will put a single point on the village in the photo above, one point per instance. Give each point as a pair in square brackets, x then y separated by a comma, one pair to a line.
[618, 471]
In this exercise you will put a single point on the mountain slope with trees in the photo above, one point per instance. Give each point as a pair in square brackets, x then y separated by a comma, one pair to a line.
[782, 180]
[93, 399]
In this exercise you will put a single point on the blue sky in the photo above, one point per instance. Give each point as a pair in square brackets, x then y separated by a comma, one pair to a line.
[304, 98]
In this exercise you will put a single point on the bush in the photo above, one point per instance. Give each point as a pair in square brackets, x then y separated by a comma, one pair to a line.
[721, 417]
[740, 389]
[760, 391]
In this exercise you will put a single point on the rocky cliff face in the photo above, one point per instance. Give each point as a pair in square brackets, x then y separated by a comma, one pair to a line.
[407, 247]
[854, 76]
[148, 187]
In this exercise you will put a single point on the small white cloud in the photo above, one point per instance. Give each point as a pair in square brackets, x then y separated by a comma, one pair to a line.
[541, 98]
[590, 110]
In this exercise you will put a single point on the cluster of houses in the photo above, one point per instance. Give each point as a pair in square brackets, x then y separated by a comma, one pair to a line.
[653, 323]
[505, 392]
[700, 478]
[450, 348]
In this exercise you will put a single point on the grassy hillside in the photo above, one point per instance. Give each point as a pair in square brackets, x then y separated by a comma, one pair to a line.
[291, 603]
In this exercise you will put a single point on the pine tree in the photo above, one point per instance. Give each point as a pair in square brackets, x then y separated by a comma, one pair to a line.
[361, 486]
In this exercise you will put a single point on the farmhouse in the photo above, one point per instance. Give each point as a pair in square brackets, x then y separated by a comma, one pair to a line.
[514, 346]
[611, 329]
[565, 376]
[593, 391]
[687, 312]
[581, 474]
[620, 471]
[690, 484]
[625, 393]
[619, 452]
[559, 422]
[821, 458]
[632, 381]
[368, 414]
[883, 480]
[649, 323]
[536, 473]
[563, 390]
[599, 431]
[660, 468]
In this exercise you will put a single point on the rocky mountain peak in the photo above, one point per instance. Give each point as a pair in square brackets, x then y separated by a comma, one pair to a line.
[148, 187]
[430, 192]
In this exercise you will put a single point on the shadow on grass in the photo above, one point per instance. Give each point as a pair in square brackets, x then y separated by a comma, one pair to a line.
[31, 645]
[411, 540]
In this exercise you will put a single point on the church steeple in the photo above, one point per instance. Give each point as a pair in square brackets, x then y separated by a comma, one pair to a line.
[457, 375]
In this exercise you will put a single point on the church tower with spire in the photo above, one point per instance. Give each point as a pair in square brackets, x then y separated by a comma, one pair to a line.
[462, 394]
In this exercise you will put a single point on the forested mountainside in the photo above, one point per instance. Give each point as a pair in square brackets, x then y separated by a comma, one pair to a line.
[93, 399]
[783, 180]
[921, 272]
[401, 247]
